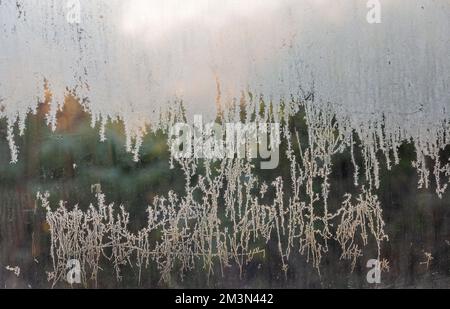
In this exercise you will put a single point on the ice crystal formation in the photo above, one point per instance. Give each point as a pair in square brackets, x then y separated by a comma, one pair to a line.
[140, 61]
[129, 59]
[224, 217]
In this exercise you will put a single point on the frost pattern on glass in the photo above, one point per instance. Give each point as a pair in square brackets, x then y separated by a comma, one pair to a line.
[145, 61]
[131, 58]
[224, 217]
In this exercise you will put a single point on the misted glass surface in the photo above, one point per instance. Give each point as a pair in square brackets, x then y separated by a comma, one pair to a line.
[352, 107]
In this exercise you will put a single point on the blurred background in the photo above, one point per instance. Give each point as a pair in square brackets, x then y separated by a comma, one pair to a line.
[67, 162]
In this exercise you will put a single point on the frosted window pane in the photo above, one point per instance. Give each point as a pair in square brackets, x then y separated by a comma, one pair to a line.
[131, 57]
